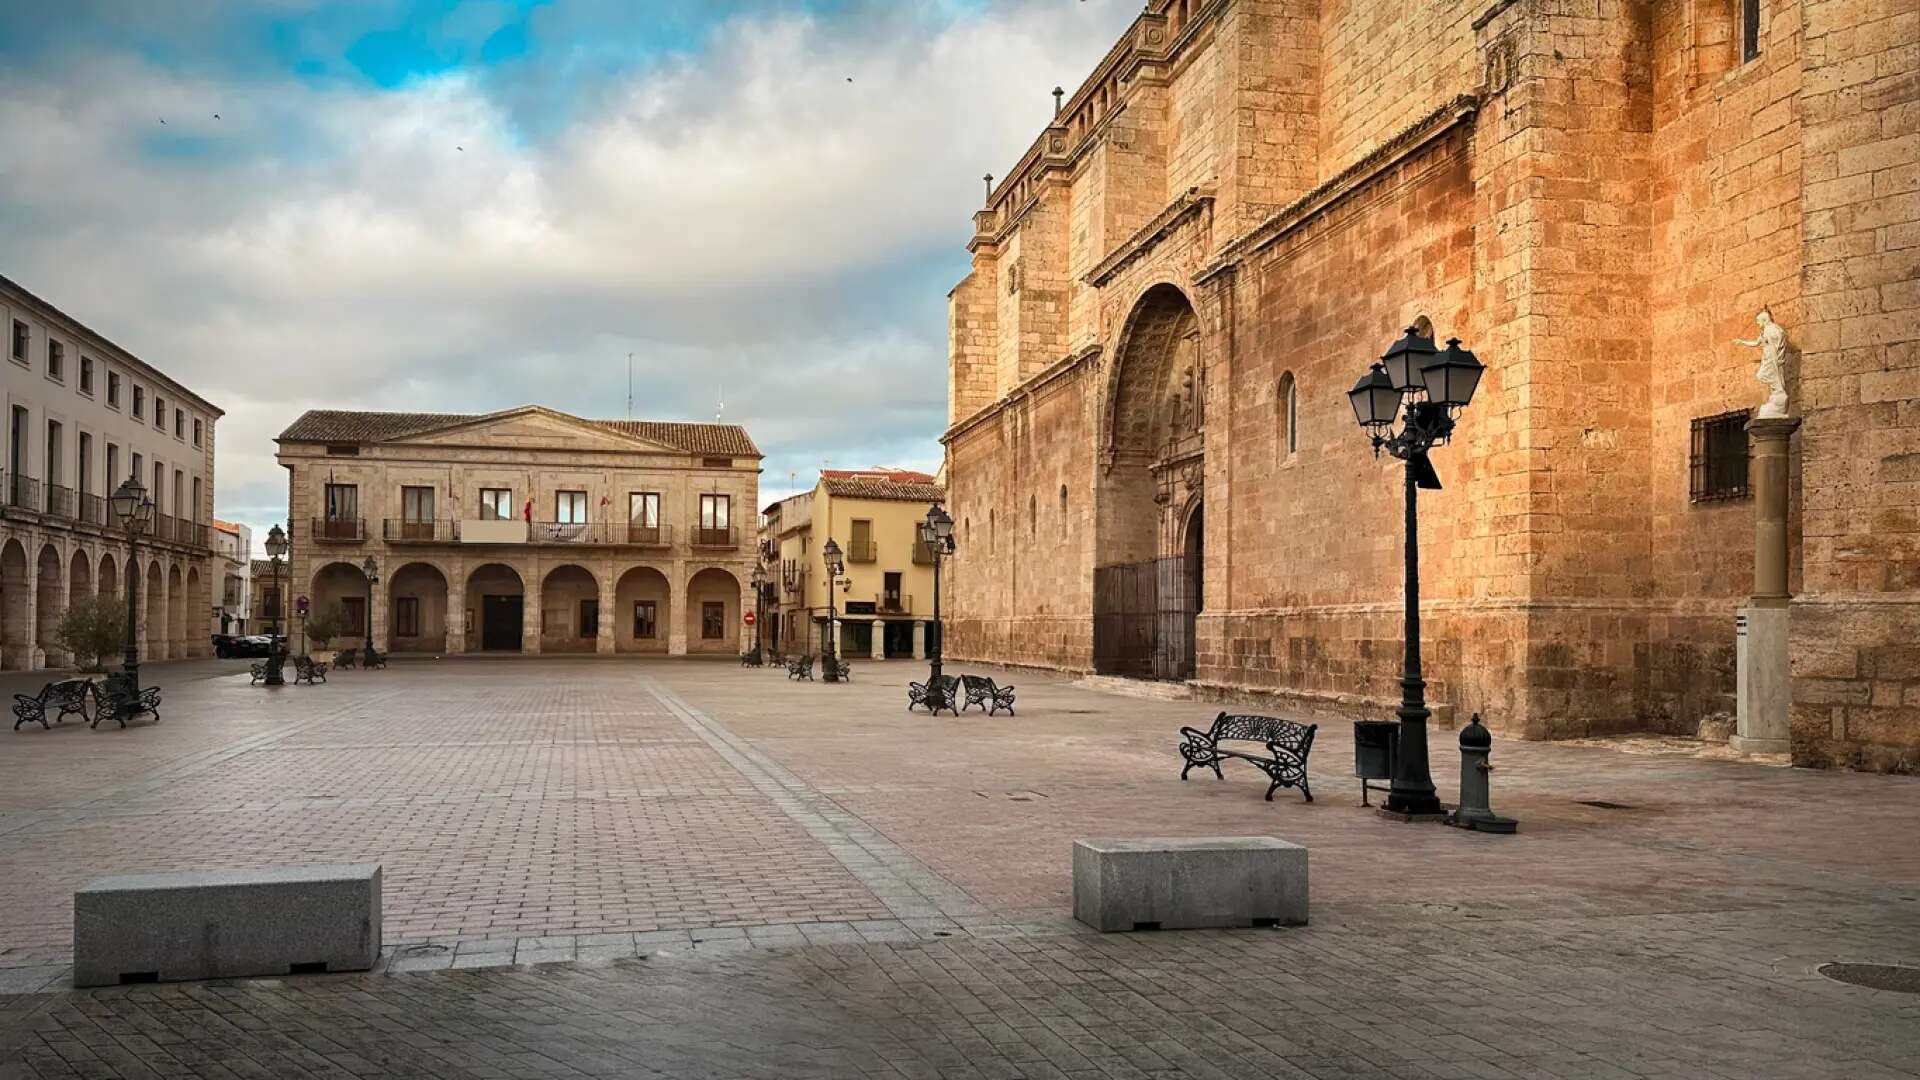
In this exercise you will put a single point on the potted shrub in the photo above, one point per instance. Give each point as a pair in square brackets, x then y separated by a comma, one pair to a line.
[93, 632]
[324, 623]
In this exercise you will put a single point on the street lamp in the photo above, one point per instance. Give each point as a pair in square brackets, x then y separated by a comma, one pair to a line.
[829, 648]
[276, 651]
[372, 570]
[759, 612]
[1420, 389]
[134, 512]
[936, 532]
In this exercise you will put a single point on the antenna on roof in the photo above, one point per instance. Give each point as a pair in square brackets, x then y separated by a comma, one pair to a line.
[720, 402]
[629, 386]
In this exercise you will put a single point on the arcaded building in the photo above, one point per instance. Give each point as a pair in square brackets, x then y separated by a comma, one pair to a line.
[522, 531]
[1153, 464]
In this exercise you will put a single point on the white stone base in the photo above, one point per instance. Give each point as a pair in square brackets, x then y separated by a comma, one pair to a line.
[1186, 883]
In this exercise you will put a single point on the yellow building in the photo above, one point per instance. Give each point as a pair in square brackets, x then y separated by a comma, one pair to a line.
[884, 601]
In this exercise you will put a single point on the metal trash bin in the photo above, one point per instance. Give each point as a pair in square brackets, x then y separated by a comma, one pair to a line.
[1376, 749]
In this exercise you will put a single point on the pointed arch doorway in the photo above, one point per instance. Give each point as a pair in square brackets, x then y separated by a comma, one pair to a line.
[1149, 534]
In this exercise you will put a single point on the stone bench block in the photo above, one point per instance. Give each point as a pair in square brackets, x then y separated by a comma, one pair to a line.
[1188, 883]
[226, 923]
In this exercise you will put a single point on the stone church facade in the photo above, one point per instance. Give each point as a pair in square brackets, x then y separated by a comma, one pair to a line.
[1248, 200]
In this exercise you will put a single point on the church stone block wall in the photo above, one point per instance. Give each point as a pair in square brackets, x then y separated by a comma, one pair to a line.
[1247, 200]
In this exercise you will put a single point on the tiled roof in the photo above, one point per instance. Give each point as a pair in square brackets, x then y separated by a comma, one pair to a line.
[897, 476]
[863, 488]
[344, 425]
[263, 567]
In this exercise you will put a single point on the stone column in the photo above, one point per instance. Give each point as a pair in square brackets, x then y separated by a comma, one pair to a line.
[377, 604]
[919, 639]
[1763, 674]
[603, 634]
[879, 648]
[679, 606]
[35, 657]
[456, 615]
[530, 619]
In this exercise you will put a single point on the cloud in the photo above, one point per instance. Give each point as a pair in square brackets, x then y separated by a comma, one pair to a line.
[724, 204]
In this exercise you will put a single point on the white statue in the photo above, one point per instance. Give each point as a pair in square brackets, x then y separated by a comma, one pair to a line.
[1772, 344]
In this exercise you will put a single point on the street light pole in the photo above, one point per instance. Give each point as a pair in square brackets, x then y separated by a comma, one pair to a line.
[134, 512]
[1420, 389]
[276, 653]
[759, 610]
[829, 648]
[372, 570]
[936, 532]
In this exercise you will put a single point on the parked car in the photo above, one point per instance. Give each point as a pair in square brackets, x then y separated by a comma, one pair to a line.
[231, 645]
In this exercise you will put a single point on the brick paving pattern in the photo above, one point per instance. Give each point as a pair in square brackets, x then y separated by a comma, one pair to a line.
[611, 869]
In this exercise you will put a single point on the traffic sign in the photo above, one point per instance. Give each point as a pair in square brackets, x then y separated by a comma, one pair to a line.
[747, 618]
[300, 605]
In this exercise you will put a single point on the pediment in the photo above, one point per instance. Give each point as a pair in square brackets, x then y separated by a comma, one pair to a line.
[536, 429]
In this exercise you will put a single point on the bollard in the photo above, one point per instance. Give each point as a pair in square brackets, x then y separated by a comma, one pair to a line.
[1475, 810]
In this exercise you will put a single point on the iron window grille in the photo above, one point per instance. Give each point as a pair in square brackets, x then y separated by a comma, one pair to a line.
[1718, 463]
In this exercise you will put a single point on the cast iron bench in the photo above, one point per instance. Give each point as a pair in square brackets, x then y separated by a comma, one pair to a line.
[935, 694]
[69, 695]
[346, 658]
[800, 667]
[841, 669]
[1287, 743]
[115, 700]
[750, 659]
[257, 672]
[372, 658]
[308, 670]
[982, 692]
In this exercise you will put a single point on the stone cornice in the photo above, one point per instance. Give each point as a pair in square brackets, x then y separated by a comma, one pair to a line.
[1035, 383]
[1193, 202]
[1410, 141]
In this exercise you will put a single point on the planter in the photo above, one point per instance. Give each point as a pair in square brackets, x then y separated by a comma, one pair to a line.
[324, 656]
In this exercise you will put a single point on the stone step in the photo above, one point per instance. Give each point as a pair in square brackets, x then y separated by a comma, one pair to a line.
[1136, 688]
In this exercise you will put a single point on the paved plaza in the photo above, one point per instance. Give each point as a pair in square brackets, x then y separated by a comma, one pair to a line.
[616, 868]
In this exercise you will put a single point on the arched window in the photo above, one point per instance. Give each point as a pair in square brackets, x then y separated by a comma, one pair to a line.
[1289, 418]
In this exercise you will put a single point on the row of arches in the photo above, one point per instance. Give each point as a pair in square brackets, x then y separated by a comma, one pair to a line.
[38, 586]
[426, 607]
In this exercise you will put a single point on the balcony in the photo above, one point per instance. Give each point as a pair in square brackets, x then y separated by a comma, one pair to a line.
[892, 603]
[23, 492]
[93, 509]
[653, 536]
[333, 530]
[403, 531]
[863, 551]
[922, 553]
[714, 537]
[575, 533]
[61, 502]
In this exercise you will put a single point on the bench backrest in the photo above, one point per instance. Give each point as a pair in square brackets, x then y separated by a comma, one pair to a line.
[1264, 729]
[978, 682]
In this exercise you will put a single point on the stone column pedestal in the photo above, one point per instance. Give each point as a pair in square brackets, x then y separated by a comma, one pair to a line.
[1763, 676]
[919, 640]
[879, 644]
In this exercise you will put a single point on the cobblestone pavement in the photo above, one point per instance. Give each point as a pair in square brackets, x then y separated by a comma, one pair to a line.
[603, 868]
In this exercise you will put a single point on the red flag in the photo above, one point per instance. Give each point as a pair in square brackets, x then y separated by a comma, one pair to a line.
[527, 511]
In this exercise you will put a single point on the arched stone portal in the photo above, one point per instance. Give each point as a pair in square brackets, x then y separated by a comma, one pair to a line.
[50, 606]
[16, 608]
[109, 575]
[713, 604]
[642, 610]
[417, 609]
[1152, 464]
[569, 610]
[154, 592]
[344, 585]
[176, 614]
[199, 640]
[80, 578]
[496, 602]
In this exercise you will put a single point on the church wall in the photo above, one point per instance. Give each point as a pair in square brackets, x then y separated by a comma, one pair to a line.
[1385, 64]
[1725, 243]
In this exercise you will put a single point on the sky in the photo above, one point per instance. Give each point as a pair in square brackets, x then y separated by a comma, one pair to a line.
[449, 206]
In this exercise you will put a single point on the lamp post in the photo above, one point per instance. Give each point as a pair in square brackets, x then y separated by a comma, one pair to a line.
[936, 532]
[830, 648]
[372, 570]
[759, 610]
[276, 651]
[1406, 404]
[134, 511]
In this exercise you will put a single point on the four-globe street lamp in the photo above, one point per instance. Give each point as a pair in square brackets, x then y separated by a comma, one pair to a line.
[372, 570]
[276, 649]
[936, 532]
[1406, 404]
[829, 648]
[134, 513]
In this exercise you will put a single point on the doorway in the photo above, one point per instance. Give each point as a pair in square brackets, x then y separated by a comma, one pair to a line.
[500, 618]
[899, 641]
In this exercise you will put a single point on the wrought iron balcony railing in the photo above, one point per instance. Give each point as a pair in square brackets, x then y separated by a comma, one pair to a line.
[338, 530]
[863, 551]
[892, 603]
[709, 536]
[23, 492]
[404, 531]
[656, 536]
[60, 502]
[93, 509]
